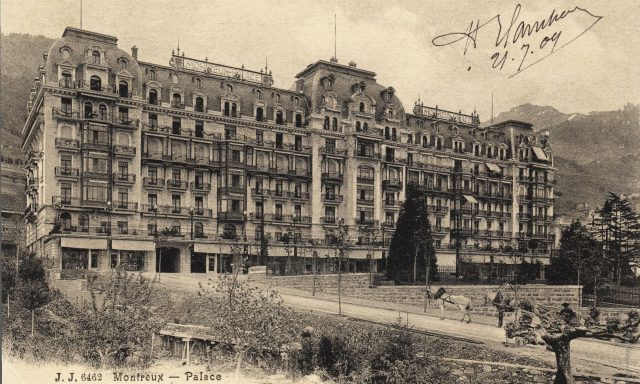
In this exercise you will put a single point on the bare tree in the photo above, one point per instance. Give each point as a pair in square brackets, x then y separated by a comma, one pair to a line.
[342, 248]
[558, 329]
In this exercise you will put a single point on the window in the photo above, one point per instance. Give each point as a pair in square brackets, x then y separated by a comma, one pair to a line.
[66, 106]
[198, 83]
[176, 203]
[123, 89]
[66, 80]
[88, 110]
[177, 175]
[278, 212]
[235, 205]
[259, 185]
[229, 231]
[235, 155]
[409, 158]
[123, 169]
[199, 128]
[234, 110]
[389, 219]
[123, 227]
[96, 193]
[152, 74]
[330, 192]
[153, 175]
[259, 114]
[153, 120]
[65, 193]
[259, 137]
[297, 212]
[279, 140]
[258, 233]
[152, 228]
[358, 126]
[330, 214]
[226, 108]
[389, 154]
[83, 223]
[327, 123]
[176, 126]
[278, 187]
[335, 124]
[176, 100]
[410, 139]
[365, 127]
[152, 199]
[279, 117]
[123, 198]
[96, 57]
[153, 97]
[298, 122]
[229, 133]
[102, 112]
[361, 106]
[65, 164]
[198, 230]
[199, 107]
[235, 181]
[330, 145]
[95, 83]
[259, 209]
[298, 143]
[123, 115]
[199, 205]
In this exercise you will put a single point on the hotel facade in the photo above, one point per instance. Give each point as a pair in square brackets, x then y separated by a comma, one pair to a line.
[166, 168]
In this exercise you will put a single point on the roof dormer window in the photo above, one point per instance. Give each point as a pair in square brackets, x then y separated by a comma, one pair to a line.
[362, 106]
[96, 57]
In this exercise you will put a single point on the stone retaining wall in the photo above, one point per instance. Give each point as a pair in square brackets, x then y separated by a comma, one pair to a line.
[357, 285]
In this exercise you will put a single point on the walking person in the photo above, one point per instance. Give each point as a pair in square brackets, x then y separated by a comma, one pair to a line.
[498, 302]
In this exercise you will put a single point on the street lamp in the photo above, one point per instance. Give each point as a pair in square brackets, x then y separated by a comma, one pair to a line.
[157, 239]
[192, 211]
[108, 209]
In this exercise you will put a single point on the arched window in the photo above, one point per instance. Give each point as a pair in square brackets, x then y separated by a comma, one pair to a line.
[277, 97]
[176, 100]
[439, 143]
[258, 94]
[326, 123]
[65, 221]
[425, 141]
[102, 111]
[95, 83]
[229, 231]
[123, 89]
[358, 126]
[199, 107]
[153, 97]
[174, 78]
[229, 88]
[394, 137]
[198, 230]
[298, 120]
[361, 106]
[234, 110]
[198, 83]
[96, 57]
[83, 223]
[296, 101]
[259, 113]
[88, 110]
[365, 127]
[335, 124]
[387, 133]
[123, 64]
[227, 108]
[66, 80]
[152, 74]
[279, 117]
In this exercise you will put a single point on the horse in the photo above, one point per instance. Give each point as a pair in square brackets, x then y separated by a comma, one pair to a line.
[463, 303]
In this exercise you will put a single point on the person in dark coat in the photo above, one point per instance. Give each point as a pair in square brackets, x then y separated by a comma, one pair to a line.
[498, 301]
[567, 314]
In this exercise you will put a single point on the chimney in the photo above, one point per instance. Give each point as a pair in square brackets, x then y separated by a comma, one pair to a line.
[134, 52]
[353, 64]
[334, 59]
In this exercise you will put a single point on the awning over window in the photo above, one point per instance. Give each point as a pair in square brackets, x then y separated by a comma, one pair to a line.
[133, 245]
[470, 199]
[208, 248]
[540, 154]
[81, 243]
[493, 167]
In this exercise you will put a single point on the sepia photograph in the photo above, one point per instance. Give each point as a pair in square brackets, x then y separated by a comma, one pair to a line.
[320, 192]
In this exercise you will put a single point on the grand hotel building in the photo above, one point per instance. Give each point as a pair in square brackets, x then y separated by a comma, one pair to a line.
[120, 150]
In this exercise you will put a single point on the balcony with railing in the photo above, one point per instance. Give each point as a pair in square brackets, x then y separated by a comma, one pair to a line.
[153, 182]
[65, 201]
[391, 203]
[125, 206]
[67, 172]
[392, 183]
[65, 113]
[299, 195]
[101, 144]
[332, 176]
[333, 151]
[124, 150]
[231, 189]
[329, 220]
[364, 178]
[176, 184]
[524, 216]
[368, 154]
[332, 198]
[63, 143]
[376, 133]
[96, 174]
[200, 187]
[438, 209]
[367, 221]
[368, 201]
[152, 155]
[231, 216]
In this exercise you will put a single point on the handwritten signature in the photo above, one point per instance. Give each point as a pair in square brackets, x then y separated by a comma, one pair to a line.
[544, 35]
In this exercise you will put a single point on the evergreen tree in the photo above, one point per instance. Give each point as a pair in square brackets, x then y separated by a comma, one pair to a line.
[412, 243]
[578, 252]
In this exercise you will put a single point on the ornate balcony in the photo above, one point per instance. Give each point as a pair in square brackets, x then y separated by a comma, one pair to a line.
[392, 184]
[332, 198]
[153, 182]
[67, 172]
[63, 143]
[124, 150]
[332, 177]
[200, 187]
[124, 178]
[177, 184]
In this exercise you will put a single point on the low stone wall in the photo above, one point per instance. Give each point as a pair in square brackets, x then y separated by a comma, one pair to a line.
[357, 285]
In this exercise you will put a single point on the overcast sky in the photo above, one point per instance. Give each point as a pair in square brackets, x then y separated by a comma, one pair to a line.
[598, 70]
